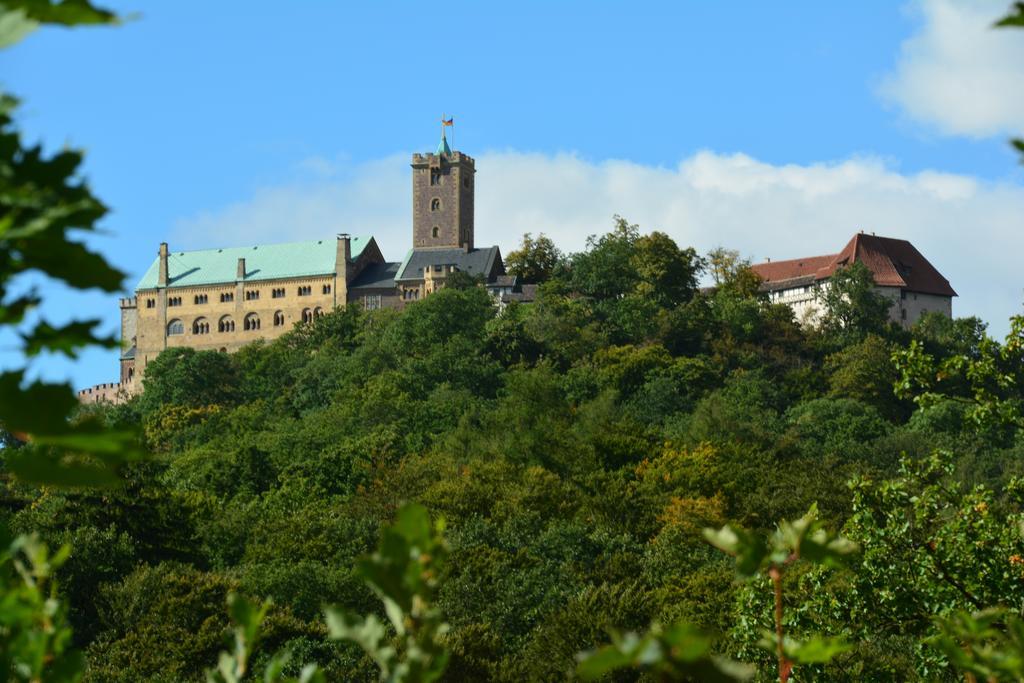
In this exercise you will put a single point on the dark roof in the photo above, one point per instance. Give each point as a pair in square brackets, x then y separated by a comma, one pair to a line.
[773, 271]
[129, 354]
[475, 262]
[505, 281]
[528, 293]
[376, 276]
[892, 262]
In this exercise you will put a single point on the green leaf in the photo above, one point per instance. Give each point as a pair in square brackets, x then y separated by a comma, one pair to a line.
[38, 408]
[413, 523]
[63, 12]
[66, 340]
[1014, 19]
[750, 550]
[368, 633]
[15, 25]
[47, 468]
[817, 650]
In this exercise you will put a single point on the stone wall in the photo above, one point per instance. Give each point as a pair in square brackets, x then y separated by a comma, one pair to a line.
[110, 392]
[216, 315]
[445, 204]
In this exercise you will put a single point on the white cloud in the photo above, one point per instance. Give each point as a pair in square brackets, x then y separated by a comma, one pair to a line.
[958, 74]
[968, 228]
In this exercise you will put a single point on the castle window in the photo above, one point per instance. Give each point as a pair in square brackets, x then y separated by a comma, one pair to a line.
[305, 290]
[226, 324]
[200, 326]
[278, 319]
[307, 315]
[200, 299]
[435, 231]
[251, 322]
[465, 182]
[174, 301]
[150, 303]
[435, 204]
[252, 294]
[435, 176]
[318, 312]
[903, 314]
[277, 293]
[226, 297]
[175, 327]
[371, 302]
[327, 289]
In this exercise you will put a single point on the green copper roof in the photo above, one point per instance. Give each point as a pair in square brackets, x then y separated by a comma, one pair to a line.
[442, 147]
[262, 262]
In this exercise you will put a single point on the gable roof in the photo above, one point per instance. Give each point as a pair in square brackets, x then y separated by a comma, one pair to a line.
[262, 262]
[475, 262]
[376, 276]
[892, 262]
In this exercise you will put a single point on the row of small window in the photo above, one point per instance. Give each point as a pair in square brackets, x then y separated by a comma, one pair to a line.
[250, 295]
[409, 294]
[250, 323]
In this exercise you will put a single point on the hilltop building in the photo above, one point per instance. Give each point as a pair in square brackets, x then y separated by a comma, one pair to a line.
[222, 299]
[900, 271]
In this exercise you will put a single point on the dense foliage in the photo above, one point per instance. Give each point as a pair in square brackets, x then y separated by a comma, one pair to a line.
[595, 484]
[576, 448]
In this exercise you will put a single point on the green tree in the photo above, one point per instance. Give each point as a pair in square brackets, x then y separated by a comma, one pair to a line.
[851, 306]
[865, 371]
[535, 261]
[188, 378]
[666, 273]
[606, 270]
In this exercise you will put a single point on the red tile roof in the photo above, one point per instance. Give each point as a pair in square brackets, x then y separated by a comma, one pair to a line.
[893, 262]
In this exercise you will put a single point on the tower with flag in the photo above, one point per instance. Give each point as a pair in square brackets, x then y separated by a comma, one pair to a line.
[443, 185]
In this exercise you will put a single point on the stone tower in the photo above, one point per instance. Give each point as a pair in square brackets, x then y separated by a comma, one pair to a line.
[442, 199]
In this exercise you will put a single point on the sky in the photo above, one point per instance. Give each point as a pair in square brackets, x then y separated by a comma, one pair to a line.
[777, 129]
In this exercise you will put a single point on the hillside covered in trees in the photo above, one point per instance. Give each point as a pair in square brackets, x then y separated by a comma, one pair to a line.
[575, 448]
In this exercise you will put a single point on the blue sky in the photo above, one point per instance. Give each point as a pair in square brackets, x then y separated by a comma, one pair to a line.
[776, 130]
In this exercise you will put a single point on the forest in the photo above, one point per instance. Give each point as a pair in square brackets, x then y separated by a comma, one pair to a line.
[632, 478]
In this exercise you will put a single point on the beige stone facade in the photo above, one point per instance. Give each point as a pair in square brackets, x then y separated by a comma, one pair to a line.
[223, 299]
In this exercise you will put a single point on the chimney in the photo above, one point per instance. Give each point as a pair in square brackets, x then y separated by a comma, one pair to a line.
[162, 277]
[241, 269]
[344, 253]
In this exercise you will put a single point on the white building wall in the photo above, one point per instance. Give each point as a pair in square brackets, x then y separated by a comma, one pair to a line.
[907, 307]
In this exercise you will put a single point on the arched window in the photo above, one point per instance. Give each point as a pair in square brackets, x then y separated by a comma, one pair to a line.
[307, 315]
[251, 322]
[226, 324]
[435, 231]
[435, 204]
[175, 327]
[278, 319]
[317, 312]
[201, 326]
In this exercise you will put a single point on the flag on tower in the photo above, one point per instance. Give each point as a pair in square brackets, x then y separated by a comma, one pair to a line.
[447, 122]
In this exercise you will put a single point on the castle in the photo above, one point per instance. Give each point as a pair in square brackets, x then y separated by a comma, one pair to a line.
[901, 273]
[222, 299]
